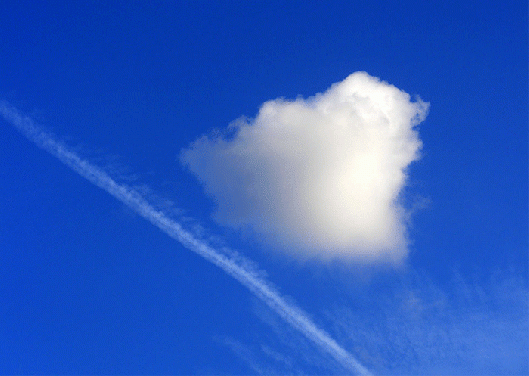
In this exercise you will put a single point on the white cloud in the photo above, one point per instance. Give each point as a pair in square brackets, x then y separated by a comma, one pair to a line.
[320, 177]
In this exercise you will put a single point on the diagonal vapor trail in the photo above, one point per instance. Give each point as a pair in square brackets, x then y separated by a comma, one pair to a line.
[134, 200]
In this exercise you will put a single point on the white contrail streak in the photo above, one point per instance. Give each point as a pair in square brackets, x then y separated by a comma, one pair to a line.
[134, 200]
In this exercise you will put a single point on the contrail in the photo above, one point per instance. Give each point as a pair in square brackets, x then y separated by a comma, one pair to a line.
[134, 200]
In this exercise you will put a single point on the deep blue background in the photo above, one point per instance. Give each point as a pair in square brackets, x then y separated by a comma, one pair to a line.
[88, 287]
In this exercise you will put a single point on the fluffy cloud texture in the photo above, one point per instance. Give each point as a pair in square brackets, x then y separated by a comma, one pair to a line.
[319, 177]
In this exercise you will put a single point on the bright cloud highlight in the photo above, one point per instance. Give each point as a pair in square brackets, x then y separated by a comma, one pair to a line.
[322, 176]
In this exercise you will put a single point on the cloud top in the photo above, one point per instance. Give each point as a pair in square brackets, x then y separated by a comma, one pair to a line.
[319, 177]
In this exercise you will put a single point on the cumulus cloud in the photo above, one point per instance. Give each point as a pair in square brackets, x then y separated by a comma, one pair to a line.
[321, 177]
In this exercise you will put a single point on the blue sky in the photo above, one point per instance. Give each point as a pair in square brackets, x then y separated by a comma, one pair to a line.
[88, 286]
